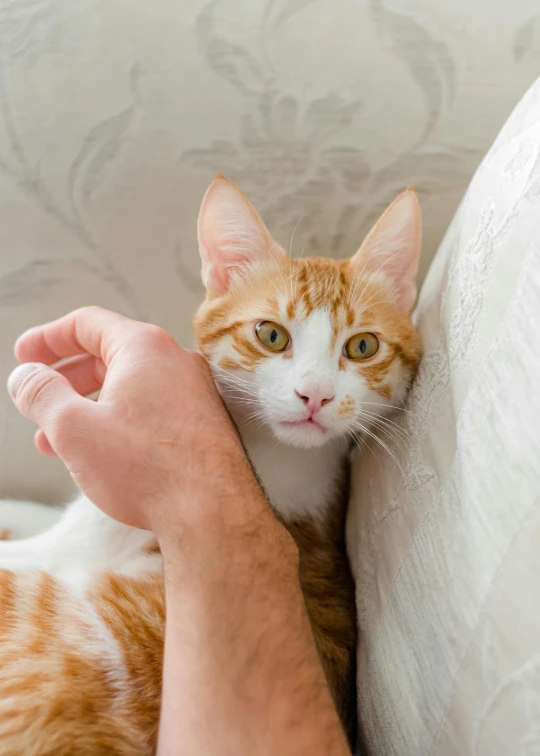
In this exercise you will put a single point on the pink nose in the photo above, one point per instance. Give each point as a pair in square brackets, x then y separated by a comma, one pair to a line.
[315, 398]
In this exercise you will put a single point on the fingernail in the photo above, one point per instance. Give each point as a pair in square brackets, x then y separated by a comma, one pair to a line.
[19, 375]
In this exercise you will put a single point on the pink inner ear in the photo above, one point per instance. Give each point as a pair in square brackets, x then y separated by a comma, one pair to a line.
[393, 248]
[231, 234]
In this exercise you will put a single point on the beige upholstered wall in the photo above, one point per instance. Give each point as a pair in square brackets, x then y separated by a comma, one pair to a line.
[114, 114]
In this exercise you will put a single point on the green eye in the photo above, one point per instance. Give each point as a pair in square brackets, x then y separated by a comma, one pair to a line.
[361, 347]
[272, 336]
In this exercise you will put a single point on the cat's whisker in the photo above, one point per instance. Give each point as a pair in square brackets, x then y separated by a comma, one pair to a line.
[227, 374]
[303, 249]
[256, 420]
[371, 303]
[359, 298]
[272, 282]
[238, 395]
[245, 404]
[361, 442]
[381, 301]
[382, 443]
[238, 388]
[256, 415]
[385, 421]
[240, 392]
[243, 400]
[294, 232]
[294, 281]
[280, 272]
[390, 438]
[230, 385]
[275, 443]
[388, 406]
[352, 291]
[394, 440]
[399, 441]
[241, 272]
[387, 448]
[370, 279]
[372, 297]
[233, 384]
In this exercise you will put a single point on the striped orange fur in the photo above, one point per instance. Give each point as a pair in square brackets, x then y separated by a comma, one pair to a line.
[61, 690]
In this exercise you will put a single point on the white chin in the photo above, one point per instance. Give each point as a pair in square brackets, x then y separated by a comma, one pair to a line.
[306, 436]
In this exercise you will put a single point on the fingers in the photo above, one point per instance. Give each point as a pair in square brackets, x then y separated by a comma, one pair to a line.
[86, 373]
[47, 398]
[88, 330]
[43, 444]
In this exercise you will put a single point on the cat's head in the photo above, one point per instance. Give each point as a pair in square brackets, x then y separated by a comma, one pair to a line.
[312, 348]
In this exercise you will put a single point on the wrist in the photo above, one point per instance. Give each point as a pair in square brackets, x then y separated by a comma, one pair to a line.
[220, 496]
[224, 549]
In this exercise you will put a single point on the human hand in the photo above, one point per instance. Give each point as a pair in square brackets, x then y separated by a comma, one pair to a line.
[158, 450]
[158, 431]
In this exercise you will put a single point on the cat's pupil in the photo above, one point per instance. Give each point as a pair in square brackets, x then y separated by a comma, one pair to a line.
[273, 336]
[363, 346]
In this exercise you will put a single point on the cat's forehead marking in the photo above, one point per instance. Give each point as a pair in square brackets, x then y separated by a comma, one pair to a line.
[317, 283]
[320, 284]
[343, 292]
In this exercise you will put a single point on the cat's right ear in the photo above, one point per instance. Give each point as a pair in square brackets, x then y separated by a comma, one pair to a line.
[231, 235]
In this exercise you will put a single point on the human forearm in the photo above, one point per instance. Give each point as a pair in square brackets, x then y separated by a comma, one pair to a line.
[241, 673]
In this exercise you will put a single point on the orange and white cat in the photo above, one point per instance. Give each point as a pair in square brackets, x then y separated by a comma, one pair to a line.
[308, 354]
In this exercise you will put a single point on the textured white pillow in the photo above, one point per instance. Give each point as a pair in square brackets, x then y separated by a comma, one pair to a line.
[446, 546]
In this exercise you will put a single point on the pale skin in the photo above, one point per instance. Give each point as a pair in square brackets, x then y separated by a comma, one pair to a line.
[239, 652]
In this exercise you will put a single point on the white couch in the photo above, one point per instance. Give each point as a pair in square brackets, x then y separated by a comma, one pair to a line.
[113, 119]
[445, 539]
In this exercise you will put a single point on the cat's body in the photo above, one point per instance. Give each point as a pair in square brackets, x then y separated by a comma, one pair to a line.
[82, 604]
[77, 674]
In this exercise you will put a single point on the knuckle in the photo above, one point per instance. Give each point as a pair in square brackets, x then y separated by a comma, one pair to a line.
[33, 388]
[39, 401]
[89, 311]
[65, 416]
[157, 337]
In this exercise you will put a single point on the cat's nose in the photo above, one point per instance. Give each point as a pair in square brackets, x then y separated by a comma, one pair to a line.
[315, 397]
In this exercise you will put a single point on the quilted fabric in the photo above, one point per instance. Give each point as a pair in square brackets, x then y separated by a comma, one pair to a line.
[445, 536]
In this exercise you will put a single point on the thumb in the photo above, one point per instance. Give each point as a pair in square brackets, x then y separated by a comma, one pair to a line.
[48, 399]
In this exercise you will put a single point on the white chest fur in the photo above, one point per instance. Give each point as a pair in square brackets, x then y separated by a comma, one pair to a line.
[299, 482]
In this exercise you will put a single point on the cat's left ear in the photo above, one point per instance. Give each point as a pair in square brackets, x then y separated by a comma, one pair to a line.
[392, 248]
[231, 235]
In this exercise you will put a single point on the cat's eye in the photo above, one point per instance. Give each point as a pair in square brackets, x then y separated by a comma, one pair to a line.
[361, 347]
[272, 336]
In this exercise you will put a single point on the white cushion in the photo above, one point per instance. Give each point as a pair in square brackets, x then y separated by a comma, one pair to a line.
[446, 547]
